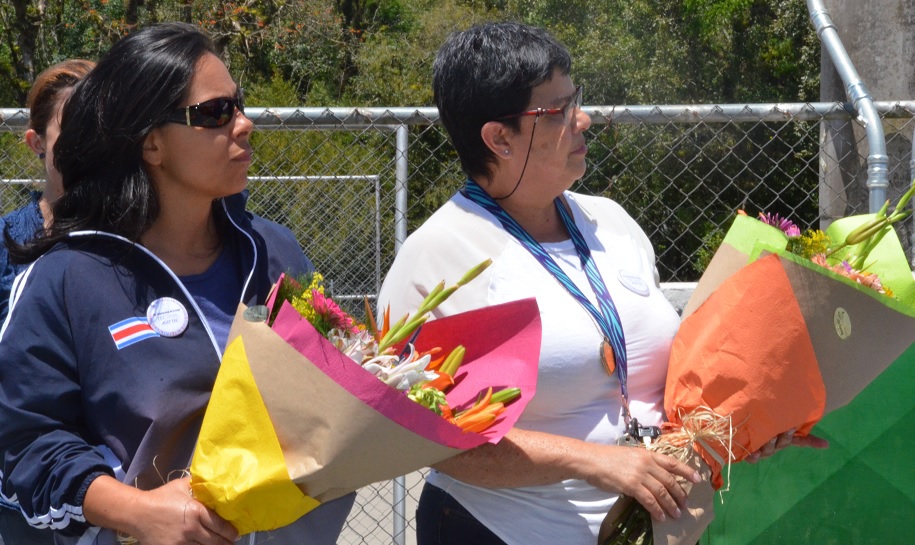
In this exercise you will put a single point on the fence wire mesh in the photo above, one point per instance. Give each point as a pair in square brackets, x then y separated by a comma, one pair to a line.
[351, 183]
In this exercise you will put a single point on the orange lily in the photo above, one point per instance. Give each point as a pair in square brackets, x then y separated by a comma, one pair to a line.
[479, 420]
[385, 325]
[370, 318]
[444, 380]
[434, 362]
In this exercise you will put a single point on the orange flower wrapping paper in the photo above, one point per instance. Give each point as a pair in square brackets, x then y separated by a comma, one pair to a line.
[746, 353]
[776, 342]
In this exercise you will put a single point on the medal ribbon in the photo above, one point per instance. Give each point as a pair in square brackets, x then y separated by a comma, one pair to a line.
[607, 317]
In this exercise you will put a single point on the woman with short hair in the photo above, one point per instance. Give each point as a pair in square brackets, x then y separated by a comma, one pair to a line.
[513, 113]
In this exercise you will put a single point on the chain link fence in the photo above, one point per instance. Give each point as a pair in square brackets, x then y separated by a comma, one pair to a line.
[351, 183]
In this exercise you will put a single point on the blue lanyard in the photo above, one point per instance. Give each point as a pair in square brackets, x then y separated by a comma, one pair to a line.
[607, 317]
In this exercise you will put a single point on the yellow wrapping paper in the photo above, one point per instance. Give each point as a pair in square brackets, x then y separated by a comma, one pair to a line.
[259, 495]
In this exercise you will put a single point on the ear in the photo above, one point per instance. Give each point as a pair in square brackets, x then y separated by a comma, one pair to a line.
[498, 138]
[152, 148]
[35, 142]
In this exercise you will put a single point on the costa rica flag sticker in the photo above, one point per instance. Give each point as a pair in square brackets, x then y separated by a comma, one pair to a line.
[130, 331]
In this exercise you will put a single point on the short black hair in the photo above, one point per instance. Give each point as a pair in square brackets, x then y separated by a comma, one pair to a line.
[486, 72]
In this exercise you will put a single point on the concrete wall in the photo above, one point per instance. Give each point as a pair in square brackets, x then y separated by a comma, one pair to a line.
[879, 36]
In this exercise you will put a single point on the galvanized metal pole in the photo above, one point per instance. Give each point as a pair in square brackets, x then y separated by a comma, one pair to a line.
[877, 159]
[400, 187]
[400, 234]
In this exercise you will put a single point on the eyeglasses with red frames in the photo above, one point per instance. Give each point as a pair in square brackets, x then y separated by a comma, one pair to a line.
[209, 114]
[566, 111]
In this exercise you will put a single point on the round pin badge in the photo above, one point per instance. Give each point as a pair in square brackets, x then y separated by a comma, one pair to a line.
[167, 317]
[634, 283]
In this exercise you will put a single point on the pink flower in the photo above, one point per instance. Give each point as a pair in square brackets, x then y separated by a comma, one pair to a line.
[330, 315]
[787, 226]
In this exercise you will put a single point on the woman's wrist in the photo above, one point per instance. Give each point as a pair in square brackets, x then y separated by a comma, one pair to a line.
[111, 504]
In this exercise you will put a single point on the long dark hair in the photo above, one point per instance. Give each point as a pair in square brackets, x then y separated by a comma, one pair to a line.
[99, 152]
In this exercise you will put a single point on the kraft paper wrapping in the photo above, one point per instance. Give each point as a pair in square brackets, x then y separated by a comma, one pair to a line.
[772, 317]
[287, 395]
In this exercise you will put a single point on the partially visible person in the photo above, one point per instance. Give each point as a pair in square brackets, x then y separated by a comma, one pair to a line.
[44, 101]
[51, 89]
[115, 332]
[513, 113]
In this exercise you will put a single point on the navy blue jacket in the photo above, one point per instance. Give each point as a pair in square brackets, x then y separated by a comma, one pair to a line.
[74, 406]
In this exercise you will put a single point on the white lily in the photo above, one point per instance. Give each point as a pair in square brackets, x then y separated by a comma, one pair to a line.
[400, 373]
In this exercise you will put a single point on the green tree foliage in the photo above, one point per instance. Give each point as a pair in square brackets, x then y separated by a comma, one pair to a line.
[380, 53]
[683, 52]
[374, 52]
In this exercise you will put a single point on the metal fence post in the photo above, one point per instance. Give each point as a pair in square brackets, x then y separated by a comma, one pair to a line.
[400, 234]
[400, 187]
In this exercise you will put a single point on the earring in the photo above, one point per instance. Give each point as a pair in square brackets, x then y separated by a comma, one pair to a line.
[506, 152]
[41, 155]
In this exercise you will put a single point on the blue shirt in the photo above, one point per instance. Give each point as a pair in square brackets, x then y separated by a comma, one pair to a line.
[22, 224]
[216, 292]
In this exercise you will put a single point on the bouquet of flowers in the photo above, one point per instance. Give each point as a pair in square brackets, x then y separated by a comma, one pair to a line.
[310, 405]
[783, 328]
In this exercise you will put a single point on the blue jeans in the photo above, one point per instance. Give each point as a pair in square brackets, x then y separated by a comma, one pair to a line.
[14, 530]
[441, 520]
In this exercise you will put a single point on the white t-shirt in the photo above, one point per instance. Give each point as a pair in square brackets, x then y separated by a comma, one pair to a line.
[575, 396]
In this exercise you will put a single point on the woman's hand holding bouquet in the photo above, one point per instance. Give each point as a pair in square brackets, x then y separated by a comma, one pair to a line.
[310, 405]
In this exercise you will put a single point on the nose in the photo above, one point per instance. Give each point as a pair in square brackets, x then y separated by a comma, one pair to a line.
[243, 124]
[582, 120]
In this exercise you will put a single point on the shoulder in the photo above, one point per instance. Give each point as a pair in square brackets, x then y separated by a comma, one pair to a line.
[600, 208]
[283, 250]
[458, 225]
[458, 236]
[607, 215]
[83, 257]
[272, 241]
[272, 231]
[22, 223]
[64, 272]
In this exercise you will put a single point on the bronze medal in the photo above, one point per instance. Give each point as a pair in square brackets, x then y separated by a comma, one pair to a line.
[606, 357]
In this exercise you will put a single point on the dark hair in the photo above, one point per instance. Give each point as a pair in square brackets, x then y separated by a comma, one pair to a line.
[486, 72]
[99, 152]
[42, 98]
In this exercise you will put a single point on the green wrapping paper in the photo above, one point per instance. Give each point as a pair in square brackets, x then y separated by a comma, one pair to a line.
[862, 489]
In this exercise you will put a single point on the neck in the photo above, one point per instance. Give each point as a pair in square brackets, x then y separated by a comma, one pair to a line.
[184, 237]
[49, 194]
[537, 214]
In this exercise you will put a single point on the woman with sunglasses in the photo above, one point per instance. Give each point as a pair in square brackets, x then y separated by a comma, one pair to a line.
[513, 113]
[115, 333]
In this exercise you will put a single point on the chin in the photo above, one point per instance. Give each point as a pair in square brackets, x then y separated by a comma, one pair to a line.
[579, 172]
[238, 185]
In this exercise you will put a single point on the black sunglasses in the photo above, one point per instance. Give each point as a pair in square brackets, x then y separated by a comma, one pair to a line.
[212, 113]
